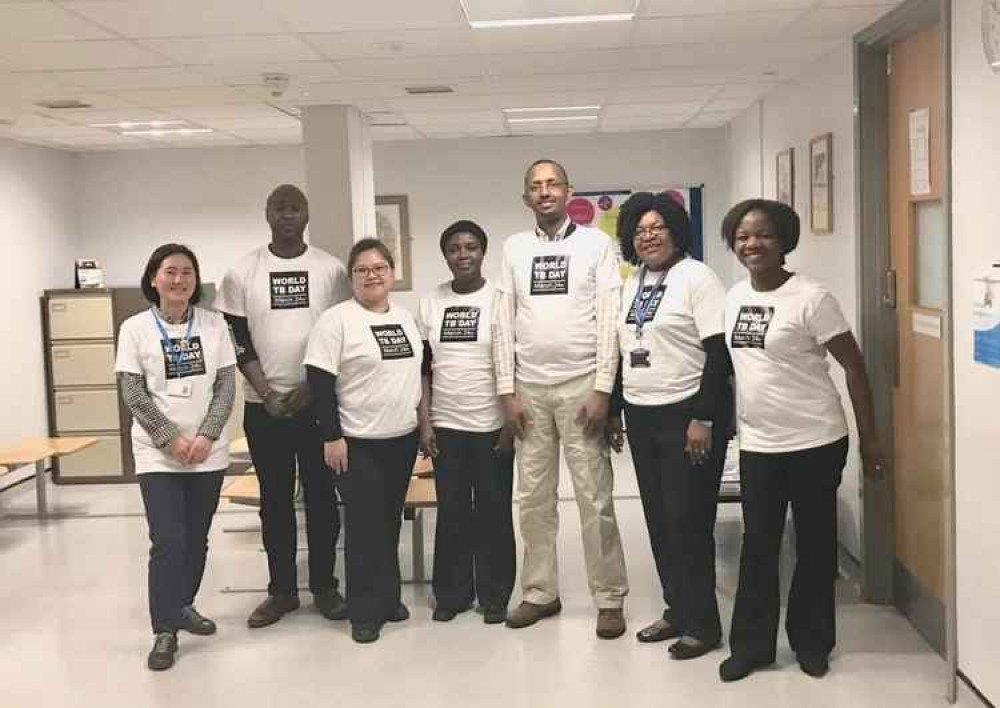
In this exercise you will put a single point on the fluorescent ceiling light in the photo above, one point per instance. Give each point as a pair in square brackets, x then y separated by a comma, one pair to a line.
[563, 20]
[550, 119]
[159, 133]
[133, 124]
[551, 109]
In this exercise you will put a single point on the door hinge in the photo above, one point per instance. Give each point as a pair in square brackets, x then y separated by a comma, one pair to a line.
[889, 289]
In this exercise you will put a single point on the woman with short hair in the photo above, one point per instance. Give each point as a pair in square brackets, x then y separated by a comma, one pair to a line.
[177, 370]
[674, 379]
[363, 368]
[462, 428]
[780, 327]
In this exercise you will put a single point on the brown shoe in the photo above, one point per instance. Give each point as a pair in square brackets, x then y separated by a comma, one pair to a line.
[527, 613]
[272, 609]
[610, 623]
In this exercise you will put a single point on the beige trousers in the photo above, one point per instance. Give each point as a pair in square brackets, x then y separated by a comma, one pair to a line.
[552, 419]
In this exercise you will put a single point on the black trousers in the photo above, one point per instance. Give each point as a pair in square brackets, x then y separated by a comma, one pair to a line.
[275, 445]
[474, 553]
[179, 511]
[374, 490]
[809, 480]
[679, 500]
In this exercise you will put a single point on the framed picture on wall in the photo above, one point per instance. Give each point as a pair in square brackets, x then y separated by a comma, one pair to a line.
[821, 184]
[392, 226]
[785, 177]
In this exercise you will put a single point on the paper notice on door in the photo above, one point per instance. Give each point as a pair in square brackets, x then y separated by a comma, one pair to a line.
[927, 325]
[986, 319]
[920, 152]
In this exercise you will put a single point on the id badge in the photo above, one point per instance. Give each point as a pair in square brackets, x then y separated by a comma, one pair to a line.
[639, 358]
[179, 388]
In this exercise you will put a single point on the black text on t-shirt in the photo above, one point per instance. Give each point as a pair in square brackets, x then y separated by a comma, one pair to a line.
[460, 323]
[550, 275]
[649, 308]
[750, 328]
[183, 358]
[392, 342]
[290, 290]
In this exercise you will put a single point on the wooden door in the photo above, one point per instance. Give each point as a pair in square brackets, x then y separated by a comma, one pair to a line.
[918, 236]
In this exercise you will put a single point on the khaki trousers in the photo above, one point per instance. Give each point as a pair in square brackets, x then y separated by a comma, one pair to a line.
[552, 419]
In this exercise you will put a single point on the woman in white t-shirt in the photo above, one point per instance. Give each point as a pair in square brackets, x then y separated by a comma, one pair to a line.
[678, 403]
[177, 370]
[363, 367]
[461, 427]
[780, 326]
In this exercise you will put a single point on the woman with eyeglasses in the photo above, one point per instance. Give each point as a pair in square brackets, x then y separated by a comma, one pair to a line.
[176, 368]
[461, 427]
[674, 380]
[363, 366]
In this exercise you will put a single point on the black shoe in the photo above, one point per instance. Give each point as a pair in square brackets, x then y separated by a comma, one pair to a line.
[193, 622]
[735, 668]
[401, 614]
[330, 604]
[272, 609]
[494, 614]
[364, 633]
[444, 614]
[691, 649]
[814, 664]
[659, 631]
[161, 656]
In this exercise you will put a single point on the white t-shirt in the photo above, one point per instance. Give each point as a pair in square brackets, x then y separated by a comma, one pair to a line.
[555, 285]
[463, 383]
[687, 308]
[282, 298]
[141, 351]
[786, 398]
[376, 358]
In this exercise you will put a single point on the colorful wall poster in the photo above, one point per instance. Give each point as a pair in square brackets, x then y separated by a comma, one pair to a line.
[986, 319]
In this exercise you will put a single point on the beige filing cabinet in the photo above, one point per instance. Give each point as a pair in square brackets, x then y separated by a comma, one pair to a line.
[80, 329]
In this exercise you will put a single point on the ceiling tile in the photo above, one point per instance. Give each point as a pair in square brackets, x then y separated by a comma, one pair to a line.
[608, 60]
[681, 8]
[192, 96]
[733, 27]
[555, 38]
[454, 118]
[663, 94]
[233, 50]
[131, 79]
[729, 104]
[202, 113]
[120, 115]
[836, 22]
[270, 137]
[394, 132]
[300, 73]
[396, 44]
[238, 125]
[42, 21]
[631, 125]
[548, 100]
[313, 16]
[423, 70]
[445, 102]
[711, 119]
[651, 110]
[580, 81]
[180, 18]
[55, 56]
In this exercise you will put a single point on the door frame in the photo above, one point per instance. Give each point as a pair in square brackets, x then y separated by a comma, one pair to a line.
[878, 322]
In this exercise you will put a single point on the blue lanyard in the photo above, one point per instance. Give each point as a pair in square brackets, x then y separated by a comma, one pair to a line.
[166, 338]
[642, 308]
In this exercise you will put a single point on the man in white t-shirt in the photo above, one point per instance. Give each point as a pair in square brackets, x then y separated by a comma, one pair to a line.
[556, 355]
[271, 298]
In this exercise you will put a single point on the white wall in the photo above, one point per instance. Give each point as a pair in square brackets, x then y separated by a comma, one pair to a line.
[37, 228]
[976, 166]
[821, 101]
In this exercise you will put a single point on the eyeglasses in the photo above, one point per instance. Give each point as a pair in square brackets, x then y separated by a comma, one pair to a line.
[376, 270]
[655, 230]
[537, 187]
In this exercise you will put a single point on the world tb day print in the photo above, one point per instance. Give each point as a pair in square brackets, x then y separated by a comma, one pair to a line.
[183, 358]
[290, 290]
[460, 323]
[647, 292]
[550, 275]
[751, 326]
[392, 342]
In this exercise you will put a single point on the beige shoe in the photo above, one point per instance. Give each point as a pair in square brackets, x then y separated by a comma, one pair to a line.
[527, 613]
[610, 623]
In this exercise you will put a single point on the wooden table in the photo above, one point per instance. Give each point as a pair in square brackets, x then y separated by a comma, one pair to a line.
[36, 451]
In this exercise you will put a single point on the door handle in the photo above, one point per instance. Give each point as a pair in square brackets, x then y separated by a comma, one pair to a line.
[889, 289]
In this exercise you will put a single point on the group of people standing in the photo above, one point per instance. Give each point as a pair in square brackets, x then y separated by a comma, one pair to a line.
[344, 386]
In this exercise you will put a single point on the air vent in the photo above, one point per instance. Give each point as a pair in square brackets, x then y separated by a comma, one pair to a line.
[63, 104]
[426, 90]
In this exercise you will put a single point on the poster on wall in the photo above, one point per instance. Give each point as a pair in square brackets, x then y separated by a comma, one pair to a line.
[600, 210]
[986, 319]
[392, 226]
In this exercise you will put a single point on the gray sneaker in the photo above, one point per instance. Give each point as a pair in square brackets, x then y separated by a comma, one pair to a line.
[161, 656]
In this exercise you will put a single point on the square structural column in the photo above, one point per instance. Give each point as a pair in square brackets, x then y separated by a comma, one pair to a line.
[340, 180]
